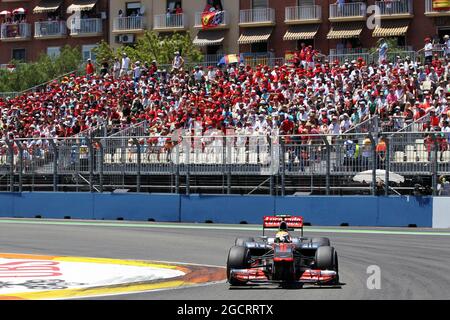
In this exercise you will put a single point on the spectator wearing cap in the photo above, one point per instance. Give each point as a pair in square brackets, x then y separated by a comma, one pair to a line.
[136, 72]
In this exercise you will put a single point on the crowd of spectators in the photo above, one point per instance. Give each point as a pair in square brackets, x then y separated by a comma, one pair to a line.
[309, 97]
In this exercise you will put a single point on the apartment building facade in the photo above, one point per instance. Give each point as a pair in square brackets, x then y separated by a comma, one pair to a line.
[337, 26]
[129, 20]
[34, 27]
[269, 28]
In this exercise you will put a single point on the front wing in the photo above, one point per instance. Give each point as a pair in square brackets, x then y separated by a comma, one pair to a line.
[257, 275]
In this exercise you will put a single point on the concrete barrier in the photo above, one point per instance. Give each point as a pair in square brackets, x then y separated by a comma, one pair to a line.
[317, 210]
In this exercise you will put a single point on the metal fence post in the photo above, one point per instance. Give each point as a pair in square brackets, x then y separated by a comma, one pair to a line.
[138, 178]
[177, 165]
[90, 163]
[55, 164]
[283, 167]
[434, 165]
[19, 146]
[374, 164]
[188, 165]
[101, 163]
[387, 166]
[227, 162]
[328, 159]
[11, 164]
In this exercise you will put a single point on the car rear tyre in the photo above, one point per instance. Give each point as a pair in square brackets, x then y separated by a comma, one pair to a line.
[241, 241]
[323, 242]
[237, 259]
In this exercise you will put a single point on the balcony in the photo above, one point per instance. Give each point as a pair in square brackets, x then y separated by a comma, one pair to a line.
[303, 14]
[170, 22]
[223, 19]
[15, 31]
[399, 9]
[50, 29]
[86, 27]
[435, 12]
[128, 24]
[355, 11]
[257, 17]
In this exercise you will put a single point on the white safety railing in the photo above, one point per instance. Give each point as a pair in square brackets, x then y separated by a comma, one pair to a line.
[310, 12]
[50, 29]
[221, 18]
[18, 31]
[394, 7]
[86, 26]
[128, 23]
[345, 10]
[170, 21]
[257, 16]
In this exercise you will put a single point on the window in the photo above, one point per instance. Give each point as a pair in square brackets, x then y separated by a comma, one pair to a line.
[217, 4]
[19, 54]
[174, 6]
[53, 52]
[133, 9]
[87, 53]
[259, 47]
[259, 4]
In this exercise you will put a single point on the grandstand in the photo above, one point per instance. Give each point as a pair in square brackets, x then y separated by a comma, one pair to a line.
[263, 129]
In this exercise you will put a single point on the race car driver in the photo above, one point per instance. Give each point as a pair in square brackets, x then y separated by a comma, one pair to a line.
[283, 235]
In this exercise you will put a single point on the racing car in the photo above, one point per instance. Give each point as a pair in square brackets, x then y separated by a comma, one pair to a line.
[282, 259]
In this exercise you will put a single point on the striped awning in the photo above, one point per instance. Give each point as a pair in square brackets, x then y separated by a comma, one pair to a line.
[301, 32]
[81, 5]
[391, 29]
[345, 30]
[255, 35]
[47, 6]
[209, 38]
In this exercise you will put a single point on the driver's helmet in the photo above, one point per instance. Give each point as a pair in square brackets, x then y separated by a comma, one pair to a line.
[282, 237]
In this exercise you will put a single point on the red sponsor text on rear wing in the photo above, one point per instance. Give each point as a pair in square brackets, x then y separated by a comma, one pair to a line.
[293, 222]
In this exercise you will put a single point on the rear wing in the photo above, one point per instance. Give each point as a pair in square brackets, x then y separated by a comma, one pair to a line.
[273, 222]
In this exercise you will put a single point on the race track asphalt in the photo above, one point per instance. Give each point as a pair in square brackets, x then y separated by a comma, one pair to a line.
[414, 263]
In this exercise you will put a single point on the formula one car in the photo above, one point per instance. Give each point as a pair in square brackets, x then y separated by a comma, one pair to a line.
[282, 259]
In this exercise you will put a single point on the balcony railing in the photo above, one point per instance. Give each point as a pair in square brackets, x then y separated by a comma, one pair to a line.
[50, 29]
[222, 17]
[257, 16]
[15, 31]
[128, 23]
[430, 11]
[395, 7]
[84, 27]
[170, 21]
[348, 11]
[303, 14]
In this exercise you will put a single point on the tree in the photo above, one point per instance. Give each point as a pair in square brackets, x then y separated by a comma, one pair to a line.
[154, 47]
[27, 75]
[104, 52]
